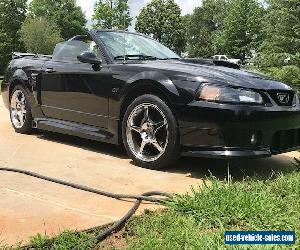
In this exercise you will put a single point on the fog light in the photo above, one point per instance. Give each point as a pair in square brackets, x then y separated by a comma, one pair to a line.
[254, 139]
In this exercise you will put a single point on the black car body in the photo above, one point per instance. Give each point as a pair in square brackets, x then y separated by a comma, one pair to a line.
[89, 100]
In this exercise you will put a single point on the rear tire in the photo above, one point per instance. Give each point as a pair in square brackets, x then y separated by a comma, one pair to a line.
[20, 110]
[150, 133]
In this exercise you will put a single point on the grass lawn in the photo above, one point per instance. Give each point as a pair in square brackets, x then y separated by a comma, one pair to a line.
[198, 220]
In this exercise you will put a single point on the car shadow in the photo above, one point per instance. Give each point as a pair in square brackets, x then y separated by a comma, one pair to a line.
[199, 168]
[238, 169]
[94, 146]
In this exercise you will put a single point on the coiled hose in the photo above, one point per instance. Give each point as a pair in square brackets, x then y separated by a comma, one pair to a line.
[148, 196]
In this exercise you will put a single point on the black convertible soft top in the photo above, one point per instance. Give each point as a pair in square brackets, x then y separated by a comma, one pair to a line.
[17, 55]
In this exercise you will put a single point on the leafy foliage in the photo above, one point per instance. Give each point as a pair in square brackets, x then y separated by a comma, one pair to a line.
[279, 53]
[12, 15]
[112, 14]
[281, 33]
[64, 13]
[162, 20]
[289, 74]
[39, 35]
[242, 28]
[204, 28]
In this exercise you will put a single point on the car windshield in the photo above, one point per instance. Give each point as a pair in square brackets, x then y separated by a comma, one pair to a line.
[134, 47]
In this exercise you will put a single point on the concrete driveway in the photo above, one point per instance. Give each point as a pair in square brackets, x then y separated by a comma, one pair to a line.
[29, 206]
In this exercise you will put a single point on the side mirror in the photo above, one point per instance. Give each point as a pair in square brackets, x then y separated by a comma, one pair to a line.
[89, 57]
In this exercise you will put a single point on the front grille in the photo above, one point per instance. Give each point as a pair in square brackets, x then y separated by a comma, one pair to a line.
[286, 139]
[282, 97]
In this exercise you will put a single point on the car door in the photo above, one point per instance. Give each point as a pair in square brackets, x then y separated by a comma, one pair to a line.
[74, 91]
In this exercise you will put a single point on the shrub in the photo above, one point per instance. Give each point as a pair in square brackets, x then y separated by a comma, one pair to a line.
[39, 35]
[288, 74]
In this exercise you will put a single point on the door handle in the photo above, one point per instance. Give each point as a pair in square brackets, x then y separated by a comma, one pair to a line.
[49, 70]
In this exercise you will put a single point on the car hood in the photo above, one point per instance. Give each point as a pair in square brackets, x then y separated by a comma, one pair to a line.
[218, 74]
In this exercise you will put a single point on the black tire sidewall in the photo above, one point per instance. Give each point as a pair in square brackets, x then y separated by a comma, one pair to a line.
[27, 127]
[172, 150]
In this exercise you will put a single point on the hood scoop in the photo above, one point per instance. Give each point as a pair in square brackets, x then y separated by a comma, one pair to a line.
[211, 62]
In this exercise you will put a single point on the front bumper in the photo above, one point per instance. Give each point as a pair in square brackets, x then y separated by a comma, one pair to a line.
[225, 130]
[223, 153]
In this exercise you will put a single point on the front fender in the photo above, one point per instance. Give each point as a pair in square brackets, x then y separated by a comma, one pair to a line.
[139, 82]
[160, 79]
[178, 90]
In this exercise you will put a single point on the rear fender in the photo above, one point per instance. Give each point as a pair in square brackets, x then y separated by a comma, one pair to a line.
[19, 77]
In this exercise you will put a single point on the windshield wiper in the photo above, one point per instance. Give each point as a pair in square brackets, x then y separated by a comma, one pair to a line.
[135, 57]
[169, 58]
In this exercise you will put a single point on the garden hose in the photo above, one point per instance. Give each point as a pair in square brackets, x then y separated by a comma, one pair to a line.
[148, 196]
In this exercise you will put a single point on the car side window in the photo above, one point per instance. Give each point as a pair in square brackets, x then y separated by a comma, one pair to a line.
[68, 51]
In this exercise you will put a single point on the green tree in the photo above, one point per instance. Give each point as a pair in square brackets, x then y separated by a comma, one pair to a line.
[281, 33]
[64, 13]
[242, 28]
[39, 35]
[279, 53]
[12, 15]
[112, 14]
[204, 28]
[163, 21]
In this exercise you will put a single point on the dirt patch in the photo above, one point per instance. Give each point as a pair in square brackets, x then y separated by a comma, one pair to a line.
[115, 241]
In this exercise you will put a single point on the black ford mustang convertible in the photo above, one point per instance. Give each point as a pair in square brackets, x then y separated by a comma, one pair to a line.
[120, 87]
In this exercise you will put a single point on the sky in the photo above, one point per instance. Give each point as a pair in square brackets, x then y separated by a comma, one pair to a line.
[135, 6]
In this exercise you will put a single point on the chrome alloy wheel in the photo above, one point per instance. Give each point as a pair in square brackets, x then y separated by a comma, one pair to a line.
[18, 109]
[147, 132]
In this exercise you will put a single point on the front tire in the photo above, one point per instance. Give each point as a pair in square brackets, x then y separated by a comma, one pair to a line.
[150, 133]
[20, 110]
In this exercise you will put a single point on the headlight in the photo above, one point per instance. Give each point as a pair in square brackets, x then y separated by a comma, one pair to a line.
[230, 95]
